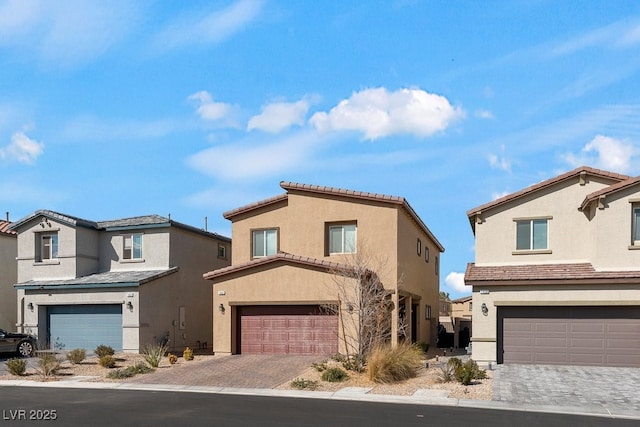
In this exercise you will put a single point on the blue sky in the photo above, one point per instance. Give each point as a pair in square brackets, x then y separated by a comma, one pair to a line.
[111, 109]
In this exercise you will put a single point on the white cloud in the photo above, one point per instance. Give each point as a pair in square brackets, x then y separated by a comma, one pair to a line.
[378, 113]
[497, 162]
[208, 109]
[211, 27]
[621, 34]
[455, 281]
[279, 116]
[484, 114]
[604, 152]
[65, 32]
[90, 128]
[22, 149]
[496, 195]
[251, 160]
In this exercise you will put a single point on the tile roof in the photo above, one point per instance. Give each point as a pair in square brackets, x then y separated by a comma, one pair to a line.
[281, 256]
[545, 274]
[544, 184]
[361, 195]
[136, 220]
[107, 279]
[609, 190]
[67, 219]
[463, 299]
[4, 228]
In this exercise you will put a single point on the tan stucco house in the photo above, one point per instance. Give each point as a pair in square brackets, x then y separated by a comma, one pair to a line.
[462, 320]
[556, 279]
[124, 283]
[8, 276]
[290, 252]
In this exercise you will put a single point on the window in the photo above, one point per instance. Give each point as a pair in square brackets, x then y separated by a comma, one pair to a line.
[342, 239]
[132, 248]
[48, 249]
[265, 242]
[636, 226]
[427, 312]
[437, 263]
[531, 235]
[222, 251]
[419, 247]
[426, 253]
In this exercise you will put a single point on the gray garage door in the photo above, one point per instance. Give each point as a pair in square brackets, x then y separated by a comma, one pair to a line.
[597, 336]
[85, 326]
[300, 329]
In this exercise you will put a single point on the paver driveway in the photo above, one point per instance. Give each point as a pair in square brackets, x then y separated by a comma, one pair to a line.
[244, 371]
[614, 389]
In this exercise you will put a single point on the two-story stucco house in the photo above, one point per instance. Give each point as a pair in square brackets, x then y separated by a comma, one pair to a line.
[124, 283]
[8, 276]
[556, 278]
[288, 251]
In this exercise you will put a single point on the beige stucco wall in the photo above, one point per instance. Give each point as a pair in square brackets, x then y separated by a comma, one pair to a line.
[485, 327]
[275, 284]
[155, 250]
[571, 236]
[8, 277]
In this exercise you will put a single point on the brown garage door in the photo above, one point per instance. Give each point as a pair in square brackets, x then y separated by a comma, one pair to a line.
[299, 329]
[598, 336]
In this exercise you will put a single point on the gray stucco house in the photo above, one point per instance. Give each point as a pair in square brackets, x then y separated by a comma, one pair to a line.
[123, 283]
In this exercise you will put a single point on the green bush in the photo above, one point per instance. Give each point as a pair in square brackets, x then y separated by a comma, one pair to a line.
[445, 375]
[302, 384]
[334, 375]
[76, 356]
[16, 366]
[104, 350]
[424, 346]
[320, 367]
[139, 368]
[187, 354]
[454, 363]
[153, 354]
[469, 371]
[107, 361]
[389, 364]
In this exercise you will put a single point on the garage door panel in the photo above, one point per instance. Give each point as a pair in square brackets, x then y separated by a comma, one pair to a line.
[85, 326]
[287, 330]
[602, 336]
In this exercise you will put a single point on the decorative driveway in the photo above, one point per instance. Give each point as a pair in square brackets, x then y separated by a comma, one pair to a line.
[593, 388]
[243, 371]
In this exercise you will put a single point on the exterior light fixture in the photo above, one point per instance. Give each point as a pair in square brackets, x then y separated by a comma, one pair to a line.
[221, 308]
[350, 308]
[129, 305]
[485, 309]
[30, 306]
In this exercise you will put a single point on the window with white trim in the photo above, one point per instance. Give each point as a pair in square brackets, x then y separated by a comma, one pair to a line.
[132, 246]
[264, 242]
[532, 235]
[47, 247]
[635, 237]
[342, 239]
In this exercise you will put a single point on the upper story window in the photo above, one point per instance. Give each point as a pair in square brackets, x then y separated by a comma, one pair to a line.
[46, 247]
[426, 253]
[635, 237]
[264, 242]
[532, 234]
[342, 239]
[132, 248]
[222, 251]
[419, 247]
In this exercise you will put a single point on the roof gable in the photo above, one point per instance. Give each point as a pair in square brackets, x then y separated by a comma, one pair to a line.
[579, 173]
[5, 228]
[55, 216]
[622, 185]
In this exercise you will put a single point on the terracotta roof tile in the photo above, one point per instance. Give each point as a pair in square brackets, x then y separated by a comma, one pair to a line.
[281, 256]
[609, 190]
[547, 273]
[4, 228]
[573, 173]
[248, 208]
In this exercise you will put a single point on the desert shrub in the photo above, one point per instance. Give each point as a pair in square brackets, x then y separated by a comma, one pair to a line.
[153, 354]
[340, 358]
[334, 375]
[16, 366]
[424, 346]
[445, 375]
[173, 359]
[320, 367]
[353, 363]
[389, 364]
[107, 361]
[76, 356]
[187, 354]
[454, 363]
[469, 371]
[104, 350]
[138, 368]
[47, 365]
[302, 384]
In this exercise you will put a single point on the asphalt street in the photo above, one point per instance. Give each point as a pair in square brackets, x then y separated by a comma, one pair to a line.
[80, 407]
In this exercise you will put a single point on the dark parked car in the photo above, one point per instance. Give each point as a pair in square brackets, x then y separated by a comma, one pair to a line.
[22, 344]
